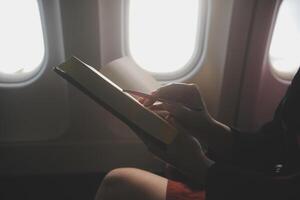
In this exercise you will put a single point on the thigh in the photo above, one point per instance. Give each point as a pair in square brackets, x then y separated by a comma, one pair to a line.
[131, 183]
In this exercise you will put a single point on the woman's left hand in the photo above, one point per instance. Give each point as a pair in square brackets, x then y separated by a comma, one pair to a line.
[186, 154]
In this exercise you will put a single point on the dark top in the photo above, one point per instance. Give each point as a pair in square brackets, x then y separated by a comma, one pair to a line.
[265, 164]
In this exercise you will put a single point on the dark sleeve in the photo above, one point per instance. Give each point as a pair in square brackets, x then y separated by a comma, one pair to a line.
[276, 142]
[260, 151]
[227, 182]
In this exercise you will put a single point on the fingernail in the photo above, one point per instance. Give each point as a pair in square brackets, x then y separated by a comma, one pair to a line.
[141, 100]
[147, 102]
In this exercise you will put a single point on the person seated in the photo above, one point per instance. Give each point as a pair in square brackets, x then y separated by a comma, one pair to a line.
[264, 165]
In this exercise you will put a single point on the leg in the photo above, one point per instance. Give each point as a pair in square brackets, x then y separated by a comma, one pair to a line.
[130, 183]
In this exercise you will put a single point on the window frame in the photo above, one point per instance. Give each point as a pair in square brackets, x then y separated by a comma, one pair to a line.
[23, 79]
[197, 58]
[280, 76]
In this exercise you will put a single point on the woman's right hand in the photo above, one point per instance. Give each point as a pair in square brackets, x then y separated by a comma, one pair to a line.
[190, 111]
[189, 108]
[187, 94]
[185, 153]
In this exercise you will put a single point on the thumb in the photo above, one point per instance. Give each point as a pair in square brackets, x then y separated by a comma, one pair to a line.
[178, 111]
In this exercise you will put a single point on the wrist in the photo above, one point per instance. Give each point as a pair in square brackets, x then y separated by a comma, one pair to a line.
[208, 132]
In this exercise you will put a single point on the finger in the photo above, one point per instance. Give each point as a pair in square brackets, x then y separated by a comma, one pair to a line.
[172, 92]
[187, 94]
[150, 101]
[163, 114]
[178, 111]
[141, 100]
[167, 92]
[162, 106]
[173, 121]
[183, 115]
[157, 106]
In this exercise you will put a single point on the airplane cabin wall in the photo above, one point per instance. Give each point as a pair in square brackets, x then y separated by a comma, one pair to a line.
[261, 90]
[51, 127]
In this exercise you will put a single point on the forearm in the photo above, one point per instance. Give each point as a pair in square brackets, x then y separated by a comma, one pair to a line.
[220, 140]
[256, 150]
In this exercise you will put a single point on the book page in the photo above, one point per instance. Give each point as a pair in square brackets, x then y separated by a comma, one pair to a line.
[129, 76]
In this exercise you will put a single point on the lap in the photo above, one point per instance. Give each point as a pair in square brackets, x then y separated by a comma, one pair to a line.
[181, 191]
[131, 183]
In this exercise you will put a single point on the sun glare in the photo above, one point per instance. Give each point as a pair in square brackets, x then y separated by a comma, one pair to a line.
[162, 33]
[21, 37]
[285, 45]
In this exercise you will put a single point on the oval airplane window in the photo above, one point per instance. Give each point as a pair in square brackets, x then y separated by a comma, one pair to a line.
[285, 45]
[163, 34]
[22, 46]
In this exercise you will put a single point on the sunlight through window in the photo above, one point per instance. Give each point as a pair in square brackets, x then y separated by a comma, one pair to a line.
[163, 33]
[21, 38]
[285, 45]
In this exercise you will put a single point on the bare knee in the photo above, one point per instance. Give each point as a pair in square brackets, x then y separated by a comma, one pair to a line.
[114, 183]
[131, 183]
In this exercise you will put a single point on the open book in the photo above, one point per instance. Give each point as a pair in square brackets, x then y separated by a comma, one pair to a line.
[151, 128]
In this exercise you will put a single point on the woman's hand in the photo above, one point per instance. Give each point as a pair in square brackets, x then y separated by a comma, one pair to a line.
[185, 154]
[190, 111]
[189, 108]
[187, 94]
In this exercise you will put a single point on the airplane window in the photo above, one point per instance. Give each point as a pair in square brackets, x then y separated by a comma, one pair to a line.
[285, 44]
[163, 34]
[22, 46]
